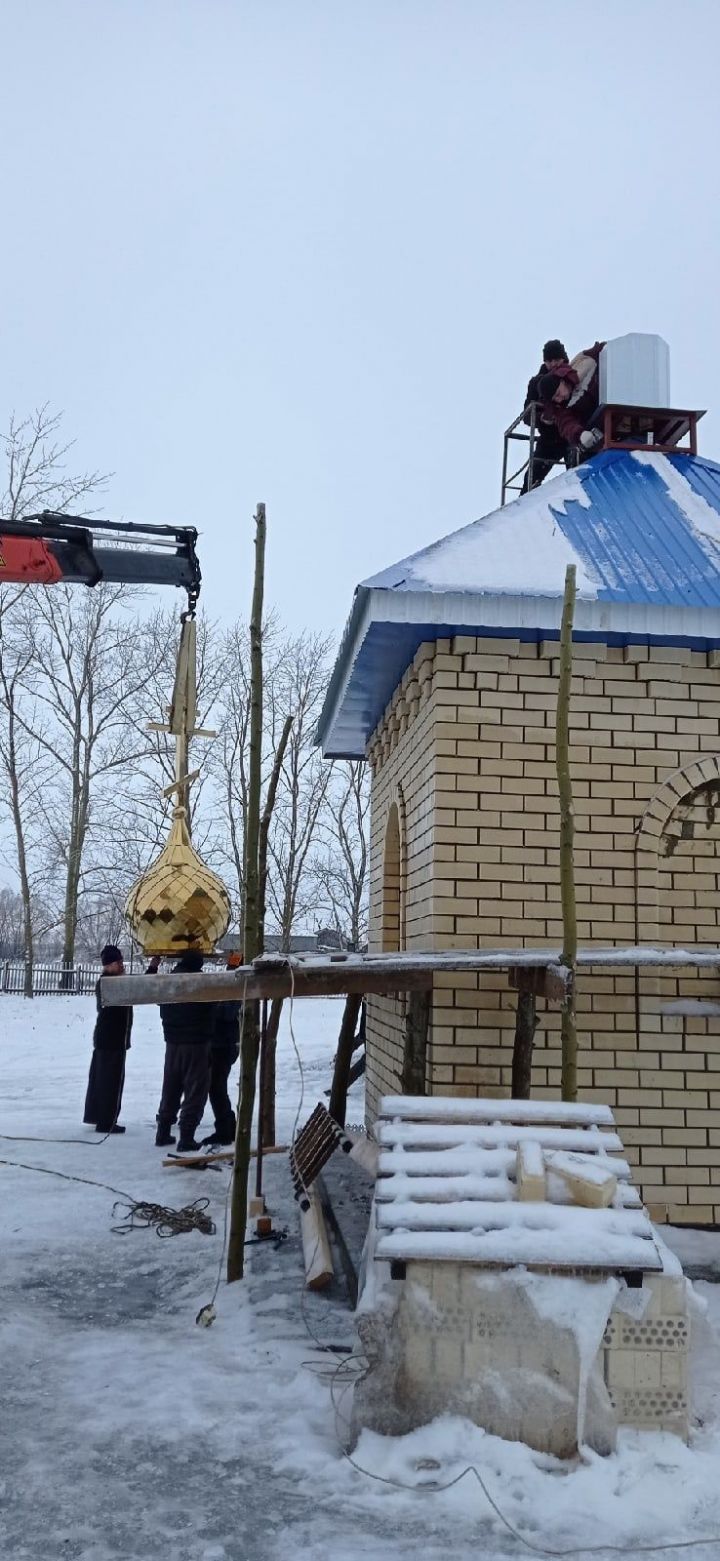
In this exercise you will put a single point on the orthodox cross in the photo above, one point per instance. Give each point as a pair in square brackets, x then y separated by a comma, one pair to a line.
[182, 715]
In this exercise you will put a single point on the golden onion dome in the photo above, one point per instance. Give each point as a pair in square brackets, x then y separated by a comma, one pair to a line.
[178, 903]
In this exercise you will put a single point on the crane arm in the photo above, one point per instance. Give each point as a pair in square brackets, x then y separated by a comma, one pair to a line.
[46, 548]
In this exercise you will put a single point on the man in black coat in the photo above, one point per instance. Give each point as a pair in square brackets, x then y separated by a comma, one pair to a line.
[550, 447]
[188, 1029]
[224, 1049]
[111, 1040]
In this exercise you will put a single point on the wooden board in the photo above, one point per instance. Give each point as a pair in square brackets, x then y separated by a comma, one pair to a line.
[317, 1256]
[440, 1108]
[214, 1155]
[438, 1135]
[199, 1161]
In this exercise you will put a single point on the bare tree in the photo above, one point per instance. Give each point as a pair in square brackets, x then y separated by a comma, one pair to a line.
[35, 479]
[19, 754]
[341, 863]
[12, 924]
[84, 678]
[229, 757]
[303, 781]
[292, 893]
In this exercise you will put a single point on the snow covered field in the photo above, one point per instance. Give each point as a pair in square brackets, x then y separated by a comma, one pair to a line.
[128, 1433]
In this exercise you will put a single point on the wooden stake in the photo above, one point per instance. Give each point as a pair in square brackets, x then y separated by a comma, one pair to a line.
[251, 920]
[525, 1027]
[316, 1247]
[567, 835]
[265, 822]
[263, 1063]
[343, 1058]
[267, 1081]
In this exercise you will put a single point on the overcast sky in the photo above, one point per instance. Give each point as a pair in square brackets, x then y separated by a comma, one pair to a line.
[307, 251]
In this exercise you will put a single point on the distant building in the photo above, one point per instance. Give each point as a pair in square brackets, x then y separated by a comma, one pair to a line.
[325, 938]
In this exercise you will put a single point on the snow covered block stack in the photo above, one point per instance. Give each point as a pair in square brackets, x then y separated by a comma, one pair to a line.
[589, 1182]
[530, 1172]
[535, 1318]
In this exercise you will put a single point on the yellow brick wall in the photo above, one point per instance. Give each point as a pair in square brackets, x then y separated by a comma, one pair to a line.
[404, 776]
[469, 736]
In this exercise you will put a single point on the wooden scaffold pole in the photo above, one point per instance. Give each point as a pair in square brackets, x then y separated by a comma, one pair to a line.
[251, 921]
[567, 836]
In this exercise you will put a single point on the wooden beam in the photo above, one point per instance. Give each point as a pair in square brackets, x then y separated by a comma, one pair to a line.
[317, 1256]
[223, 988]
[379, 973]
[343, 1058]
[523, 1044]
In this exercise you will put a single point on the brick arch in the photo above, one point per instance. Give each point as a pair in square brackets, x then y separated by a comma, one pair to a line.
[394, 874]
[655, 833]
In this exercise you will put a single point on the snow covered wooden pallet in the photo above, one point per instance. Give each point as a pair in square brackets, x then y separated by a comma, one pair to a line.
[435, 1135]
[450, 1189]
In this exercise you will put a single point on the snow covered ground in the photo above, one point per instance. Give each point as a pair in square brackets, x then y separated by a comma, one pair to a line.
[128, 1433]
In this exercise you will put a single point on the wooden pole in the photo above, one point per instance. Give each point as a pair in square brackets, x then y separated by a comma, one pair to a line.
[525, 1027]
[567, 834]
[265, 822]
[251, 921]
[268, 1071]
[268, 1090]
[263, 1059]
[343, 1058]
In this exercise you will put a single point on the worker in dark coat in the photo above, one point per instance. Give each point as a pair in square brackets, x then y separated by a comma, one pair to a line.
[111, 1041]
[224, 1049]
[188, 1029]
[570, 396]
[550, 447]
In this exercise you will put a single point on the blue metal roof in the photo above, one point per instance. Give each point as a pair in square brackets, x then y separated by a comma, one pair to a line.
[643, 530]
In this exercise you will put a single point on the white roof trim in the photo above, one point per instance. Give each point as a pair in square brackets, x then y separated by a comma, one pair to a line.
[476, 610]
[538, 613]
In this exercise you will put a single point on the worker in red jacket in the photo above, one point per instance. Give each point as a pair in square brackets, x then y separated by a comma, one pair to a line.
[570, 393]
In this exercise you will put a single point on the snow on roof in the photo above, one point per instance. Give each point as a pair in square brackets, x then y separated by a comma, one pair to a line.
[447, 1188]
[642, 529]
[492, 554]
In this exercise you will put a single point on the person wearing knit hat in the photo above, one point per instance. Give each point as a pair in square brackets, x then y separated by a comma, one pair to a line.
[188, 1029]
[224, 1049]
[111, 1041]
[550, 447]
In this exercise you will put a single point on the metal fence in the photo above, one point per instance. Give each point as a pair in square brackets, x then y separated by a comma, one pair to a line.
[48, 979]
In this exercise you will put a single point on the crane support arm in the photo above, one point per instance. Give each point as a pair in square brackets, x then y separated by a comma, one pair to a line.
[46, 548]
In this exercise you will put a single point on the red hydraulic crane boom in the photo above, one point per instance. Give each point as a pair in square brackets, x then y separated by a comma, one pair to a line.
[46, 548]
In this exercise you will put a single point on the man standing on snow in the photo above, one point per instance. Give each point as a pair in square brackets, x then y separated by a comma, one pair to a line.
[188, 1029]
[224, 1049]
[550, 447]
[111, 1040]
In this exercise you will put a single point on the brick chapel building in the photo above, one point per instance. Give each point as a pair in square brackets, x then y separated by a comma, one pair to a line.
[446, 680]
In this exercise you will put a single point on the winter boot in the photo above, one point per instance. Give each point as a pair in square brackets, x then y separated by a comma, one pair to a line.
[163, 1137]
[224, 1134]
[116, 1129]
[188, 1146]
